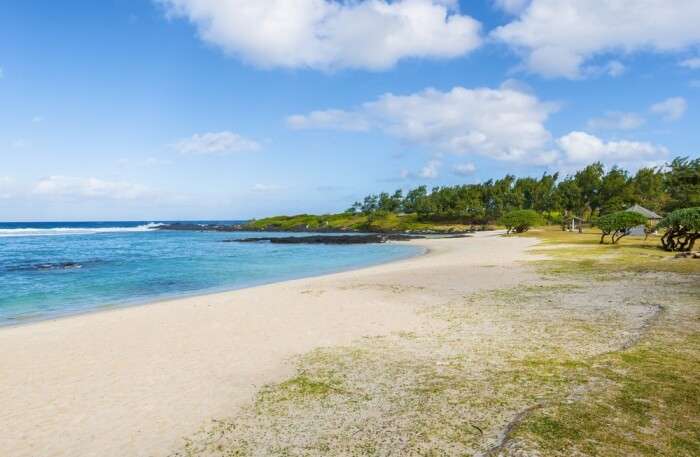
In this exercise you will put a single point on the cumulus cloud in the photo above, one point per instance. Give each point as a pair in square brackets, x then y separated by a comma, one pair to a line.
[74, 187]
[503, 124]
[330, 119]
[431, 170]
[693, 63]
[220, 143]
[616, 120]
[584, 148]
[670, 109]
[511, 6]
[558, 37]
[327, 34]
[464, 169]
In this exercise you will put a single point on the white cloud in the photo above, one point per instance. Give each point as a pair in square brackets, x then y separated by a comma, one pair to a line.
[612, 68]
[330, 119]
[220, 143]
[73, 187]
[615, 120]
[693, 63]
[504, 123]
[670, 109]
[37, 119]
[464, 169]
[20, 144]
[558, 37]
[431, 170]
[266, 188]
[327, 34]
[584, 148]
[511, 6]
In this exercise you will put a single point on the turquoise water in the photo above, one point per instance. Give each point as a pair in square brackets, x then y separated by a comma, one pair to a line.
[55, 269]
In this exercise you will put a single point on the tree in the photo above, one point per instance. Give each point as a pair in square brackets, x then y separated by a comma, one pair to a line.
[648, 188]
[546, 199]
[616, 192]
[589, 181]
[520, 220]
[570, 199]
[413, 199]
[683, 183]
[370, 205]
[682, 229]
[618, 224]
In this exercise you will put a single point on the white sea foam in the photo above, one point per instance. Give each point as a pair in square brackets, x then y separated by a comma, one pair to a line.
[56, 231]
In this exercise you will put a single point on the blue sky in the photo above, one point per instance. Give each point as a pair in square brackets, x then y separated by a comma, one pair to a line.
[230, 109]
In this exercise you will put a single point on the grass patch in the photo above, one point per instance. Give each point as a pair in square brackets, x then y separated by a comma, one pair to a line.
[573, 253]
[649, 407]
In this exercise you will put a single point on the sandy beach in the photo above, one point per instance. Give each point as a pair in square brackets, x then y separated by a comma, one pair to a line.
[136, 381]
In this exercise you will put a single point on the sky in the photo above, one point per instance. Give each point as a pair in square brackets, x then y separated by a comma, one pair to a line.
[234, 109]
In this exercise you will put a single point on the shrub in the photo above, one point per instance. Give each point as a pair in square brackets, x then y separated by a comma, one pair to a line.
[682, 229]
[520, 221]
[618, 224]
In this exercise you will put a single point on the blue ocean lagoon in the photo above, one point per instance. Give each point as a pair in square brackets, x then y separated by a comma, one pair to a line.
[55, 269]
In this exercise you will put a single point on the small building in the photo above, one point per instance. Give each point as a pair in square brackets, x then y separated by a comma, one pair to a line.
[576, 224]
[652, 219]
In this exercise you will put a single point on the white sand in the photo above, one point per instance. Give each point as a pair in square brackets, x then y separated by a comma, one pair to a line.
[135, 381]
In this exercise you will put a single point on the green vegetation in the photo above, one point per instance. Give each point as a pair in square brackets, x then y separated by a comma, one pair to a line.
[387, 222]
[644, 400]
[618, 224]
[589, 193]
[682, 229]
[520, 221]
[551, 368]
[582, 254]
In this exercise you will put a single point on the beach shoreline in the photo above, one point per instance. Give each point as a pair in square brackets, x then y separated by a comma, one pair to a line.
[136, 380]
[114, 306]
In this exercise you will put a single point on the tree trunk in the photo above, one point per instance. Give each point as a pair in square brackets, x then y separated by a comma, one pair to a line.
[622, 235]
[692, 242]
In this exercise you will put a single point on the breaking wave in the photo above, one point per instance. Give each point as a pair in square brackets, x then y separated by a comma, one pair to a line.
[56, 231]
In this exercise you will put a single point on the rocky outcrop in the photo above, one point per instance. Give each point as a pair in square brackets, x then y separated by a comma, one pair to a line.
[327, 239]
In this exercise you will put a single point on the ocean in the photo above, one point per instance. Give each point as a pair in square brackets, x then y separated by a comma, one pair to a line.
[53, 269]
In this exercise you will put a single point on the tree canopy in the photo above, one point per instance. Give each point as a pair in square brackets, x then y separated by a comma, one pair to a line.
[520, 220]
[618, 224]
[588, 193]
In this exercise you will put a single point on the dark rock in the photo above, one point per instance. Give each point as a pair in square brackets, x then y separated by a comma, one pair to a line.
[328, 239]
